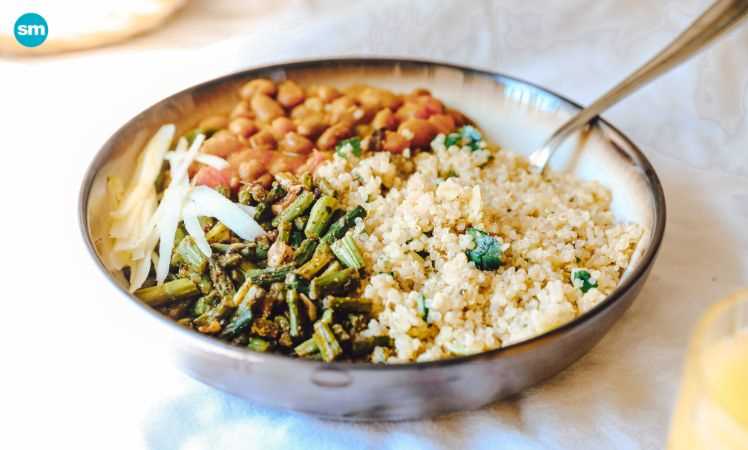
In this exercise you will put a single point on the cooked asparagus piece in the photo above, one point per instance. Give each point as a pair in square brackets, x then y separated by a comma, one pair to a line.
[218, 233]
[292, 301]
[339, 228]
[362, 345]
[347, 304]
[258, 344]
[220, 279]
[319, 216]
[335, 282]
[284, 232]
[322, 256]
[241, 319]
[325, 340]
[333, 267]
[305, 251]
[346, 250]
[270, 275]
[179, 289]
[205, 303]
[306, 348]
[311, 307]
[295, 209]
[190, 254]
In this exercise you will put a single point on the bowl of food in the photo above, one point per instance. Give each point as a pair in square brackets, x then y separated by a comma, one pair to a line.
[363, 239]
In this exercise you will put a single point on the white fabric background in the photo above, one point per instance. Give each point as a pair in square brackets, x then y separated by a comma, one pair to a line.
[76, 374]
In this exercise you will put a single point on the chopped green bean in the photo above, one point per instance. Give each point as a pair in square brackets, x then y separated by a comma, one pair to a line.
[295, 209]
[325, 340]
[305, 251]
[320, 216]
[294, 319]
[241, 319]
[258, 344]
[306, 348]
[284, 231]
[270, 275]
[347, 304]
[220, 279]
[219, 233]
[190, 254]
[335, 282]
[179, 289]
[322, 255]
[338, 229]
[346, 250]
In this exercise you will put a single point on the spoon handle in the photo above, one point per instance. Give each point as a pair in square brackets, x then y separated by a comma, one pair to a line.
[715, 21]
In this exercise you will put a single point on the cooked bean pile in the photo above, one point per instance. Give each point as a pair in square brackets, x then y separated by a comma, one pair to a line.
[283, 127]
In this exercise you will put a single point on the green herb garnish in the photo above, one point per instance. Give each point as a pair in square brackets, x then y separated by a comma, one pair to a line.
[583, 280]
[353, 143]
[487, 251]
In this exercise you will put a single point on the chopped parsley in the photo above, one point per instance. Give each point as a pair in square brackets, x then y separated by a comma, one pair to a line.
[351, 145]
[487, 251]
[583, 280]
[423, 310]
[467, 135]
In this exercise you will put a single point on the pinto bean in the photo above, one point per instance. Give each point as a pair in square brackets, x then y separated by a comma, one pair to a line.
[458, 117]
[213, 123]
[332, 135]
[422, 130]
[242, 126]
[242, 109]
[258, 86]
[263, 139]
[281, 126]
[290, 94]
[384, 119]
[328, 93]
[222, 143]
[444, 123]
[394, 142]
[265, 108]
[311, 125]
[250, 170]
[296, 143]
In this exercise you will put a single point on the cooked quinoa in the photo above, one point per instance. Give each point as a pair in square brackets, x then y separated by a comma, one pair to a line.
[562, 250]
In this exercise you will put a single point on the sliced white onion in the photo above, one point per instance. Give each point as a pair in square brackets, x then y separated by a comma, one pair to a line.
[208, 202]
[168, 220]
[147, 169]
[251, 210]
[192, 225]
[213, 161]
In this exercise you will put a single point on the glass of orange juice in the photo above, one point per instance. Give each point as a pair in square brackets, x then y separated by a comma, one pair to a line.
[712, 409]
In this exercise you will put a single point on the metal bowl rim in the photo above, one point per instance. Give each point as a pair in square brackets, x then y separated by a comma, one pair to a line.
[217, 346]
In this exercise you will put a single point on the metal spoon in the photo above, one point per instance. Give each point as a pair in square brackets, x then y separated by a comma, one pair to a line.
[714, 22]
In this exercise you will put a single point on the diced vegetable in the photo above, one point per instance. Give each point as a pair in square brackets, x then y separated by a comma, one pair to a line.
[191, 255]
[347, 304]
[341, 226]
[325, 340]
[258, 344]
[322, 256]
[487, 251]
[333, 283]
[298, 207]
[265, 277]
[305, 251]
[306, 348]
[347, 252]
[171, 291]
[320, 216]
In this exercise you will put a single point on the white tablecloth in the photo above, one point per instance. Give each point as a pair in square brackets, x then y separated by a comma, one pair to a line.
[76, 374]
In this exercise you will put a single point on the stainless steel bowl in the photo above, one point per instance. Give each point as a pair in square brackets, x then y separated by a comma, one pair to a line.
[516, 114]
